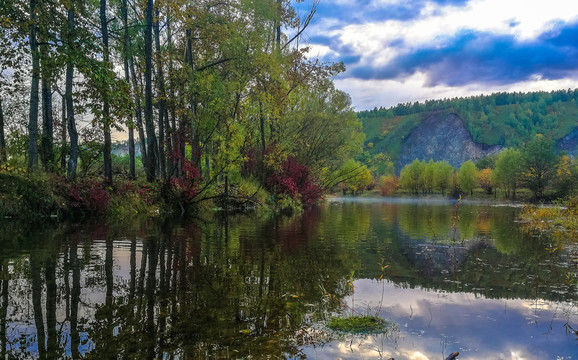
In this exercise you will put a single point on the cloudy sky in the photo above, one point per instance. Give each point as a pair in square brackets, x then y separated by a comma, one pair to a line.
[413, 50]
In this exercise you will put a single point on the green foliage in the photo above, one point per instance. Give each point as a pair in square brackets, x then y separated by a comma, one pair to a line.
[467, 177]
[487, 162]
[508, 170]
[427, 177]
[359, 324]
[27, 196]
[354, 177]
[539, 161]
[321, 130]
[411, 176]
[387, 134]
[442, 176]
[561, 220]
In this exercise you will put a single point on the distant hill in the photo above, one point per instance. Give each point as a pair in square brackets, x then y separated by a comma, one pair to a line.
[460, 129]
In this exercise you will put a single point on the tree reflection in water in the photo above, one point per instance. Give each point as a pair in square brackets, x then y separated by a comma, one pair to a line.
[167, 291]
[235, 287]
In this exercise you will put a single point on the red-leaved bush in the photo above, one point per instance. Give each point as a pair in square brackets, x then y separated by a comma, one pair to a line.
[188, 184]
[88, 196]
[295, 179]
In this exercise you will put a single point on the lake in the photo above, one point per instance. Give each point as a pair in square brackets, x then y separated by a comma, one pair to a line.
[446, 276]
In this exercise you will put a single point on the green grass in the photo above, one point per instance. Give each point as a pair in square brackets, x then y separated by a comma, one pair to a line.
[358, 324]
[388, 134]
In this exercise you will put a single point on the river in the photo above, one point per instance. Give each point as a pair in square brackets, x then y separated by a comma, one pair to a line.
[446, 276]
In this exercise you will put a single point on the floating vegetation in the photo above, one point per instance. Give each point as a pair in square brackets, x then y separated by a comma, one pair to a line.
[359, 324]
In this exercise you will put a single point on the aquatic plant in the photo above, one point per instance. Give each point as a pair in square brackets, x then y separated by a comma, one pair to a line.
[359, 324]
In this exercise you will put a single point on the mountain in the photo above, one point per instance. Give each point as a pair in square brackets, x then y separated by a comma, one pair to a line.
[442, 136]
[461, 129]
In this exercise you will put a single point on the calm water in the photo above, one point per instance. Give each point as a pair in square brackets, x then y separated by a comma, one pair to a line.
[447, 278]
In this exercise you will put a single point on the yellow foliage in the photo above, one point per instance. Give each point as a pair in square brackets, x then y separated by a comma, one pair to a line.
[388, 185]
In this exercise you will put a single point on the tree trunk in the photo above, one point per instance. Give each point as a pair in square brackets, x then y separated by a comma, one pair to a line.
[161, 97]
[63, 135]
[3, 309]
[3, 155]
[125, 45]
[52, 339]
[195, 148]
[138, 114]
[36, 280]
[74, 302]
[72, 132]
[150, 127]
[107, 157]
[47, 140]
[172, 133]
[34, 100]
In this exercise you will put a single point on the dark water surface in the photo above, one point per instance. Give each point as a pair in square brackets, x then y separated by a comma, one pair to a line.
[447, 279]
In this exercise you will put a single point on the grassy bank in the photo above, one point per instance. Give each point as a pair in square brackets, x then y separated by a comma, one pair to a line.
[560, 220]
[39, 196]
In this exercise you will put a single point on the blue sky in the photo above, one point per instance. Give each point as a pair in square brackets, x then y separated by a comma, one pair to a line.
[413, 50]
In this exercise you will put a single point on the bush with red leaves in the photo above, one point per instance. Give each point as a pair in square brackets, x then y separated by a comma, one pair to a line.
[295, 180]
[88, 196]
[188, 184]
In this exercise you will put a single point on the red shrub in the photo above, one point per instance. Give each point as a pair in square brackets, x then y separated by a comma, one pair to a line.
[88, 196]
[295, 179]
[188, 184]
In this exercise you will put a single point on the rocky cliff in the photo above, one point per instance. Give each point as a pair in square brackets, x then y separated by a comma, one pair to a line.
[442, 136]
[569, 143]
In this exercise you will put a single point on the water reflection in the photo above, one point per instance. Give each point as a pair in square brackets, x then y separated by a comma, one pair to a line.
[456, 278]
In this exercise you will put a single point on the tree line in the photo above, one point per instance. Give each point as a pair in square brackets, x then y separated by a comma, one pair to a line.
[214, 92]
[535, 166]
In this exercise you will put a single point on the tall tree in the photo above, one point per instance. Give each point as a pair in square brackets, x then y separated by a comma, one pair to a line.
[34, 87]
[71, 121]
[539, 160]
[47, 138]
[508, 171]
[149, 121]
[106, 106]
[467, 177]
[125, 59]
[161, 96]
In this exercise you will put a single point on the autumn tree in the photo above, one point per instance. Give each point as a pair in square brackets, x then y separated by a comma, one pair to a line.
[564, 181]
[388, 185]
[486, 180]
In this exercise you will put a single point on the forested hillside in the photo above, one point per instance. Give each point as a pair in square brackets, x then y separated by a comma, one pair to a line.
[503, 119]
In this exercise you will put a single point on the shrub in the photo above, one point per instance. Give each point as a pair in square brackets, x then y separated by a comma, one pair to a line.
[388, 185]
[295, 180]
[187, 186]
[86, 196]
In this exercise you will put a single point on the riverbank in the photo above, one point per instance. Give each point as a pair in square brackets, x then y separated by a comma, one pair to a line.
[560, 220]
[38, 197]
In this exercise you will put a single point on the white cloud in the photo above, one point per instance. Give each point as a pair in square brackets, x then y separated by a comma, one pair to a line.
[379, 42]
[367, 94]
